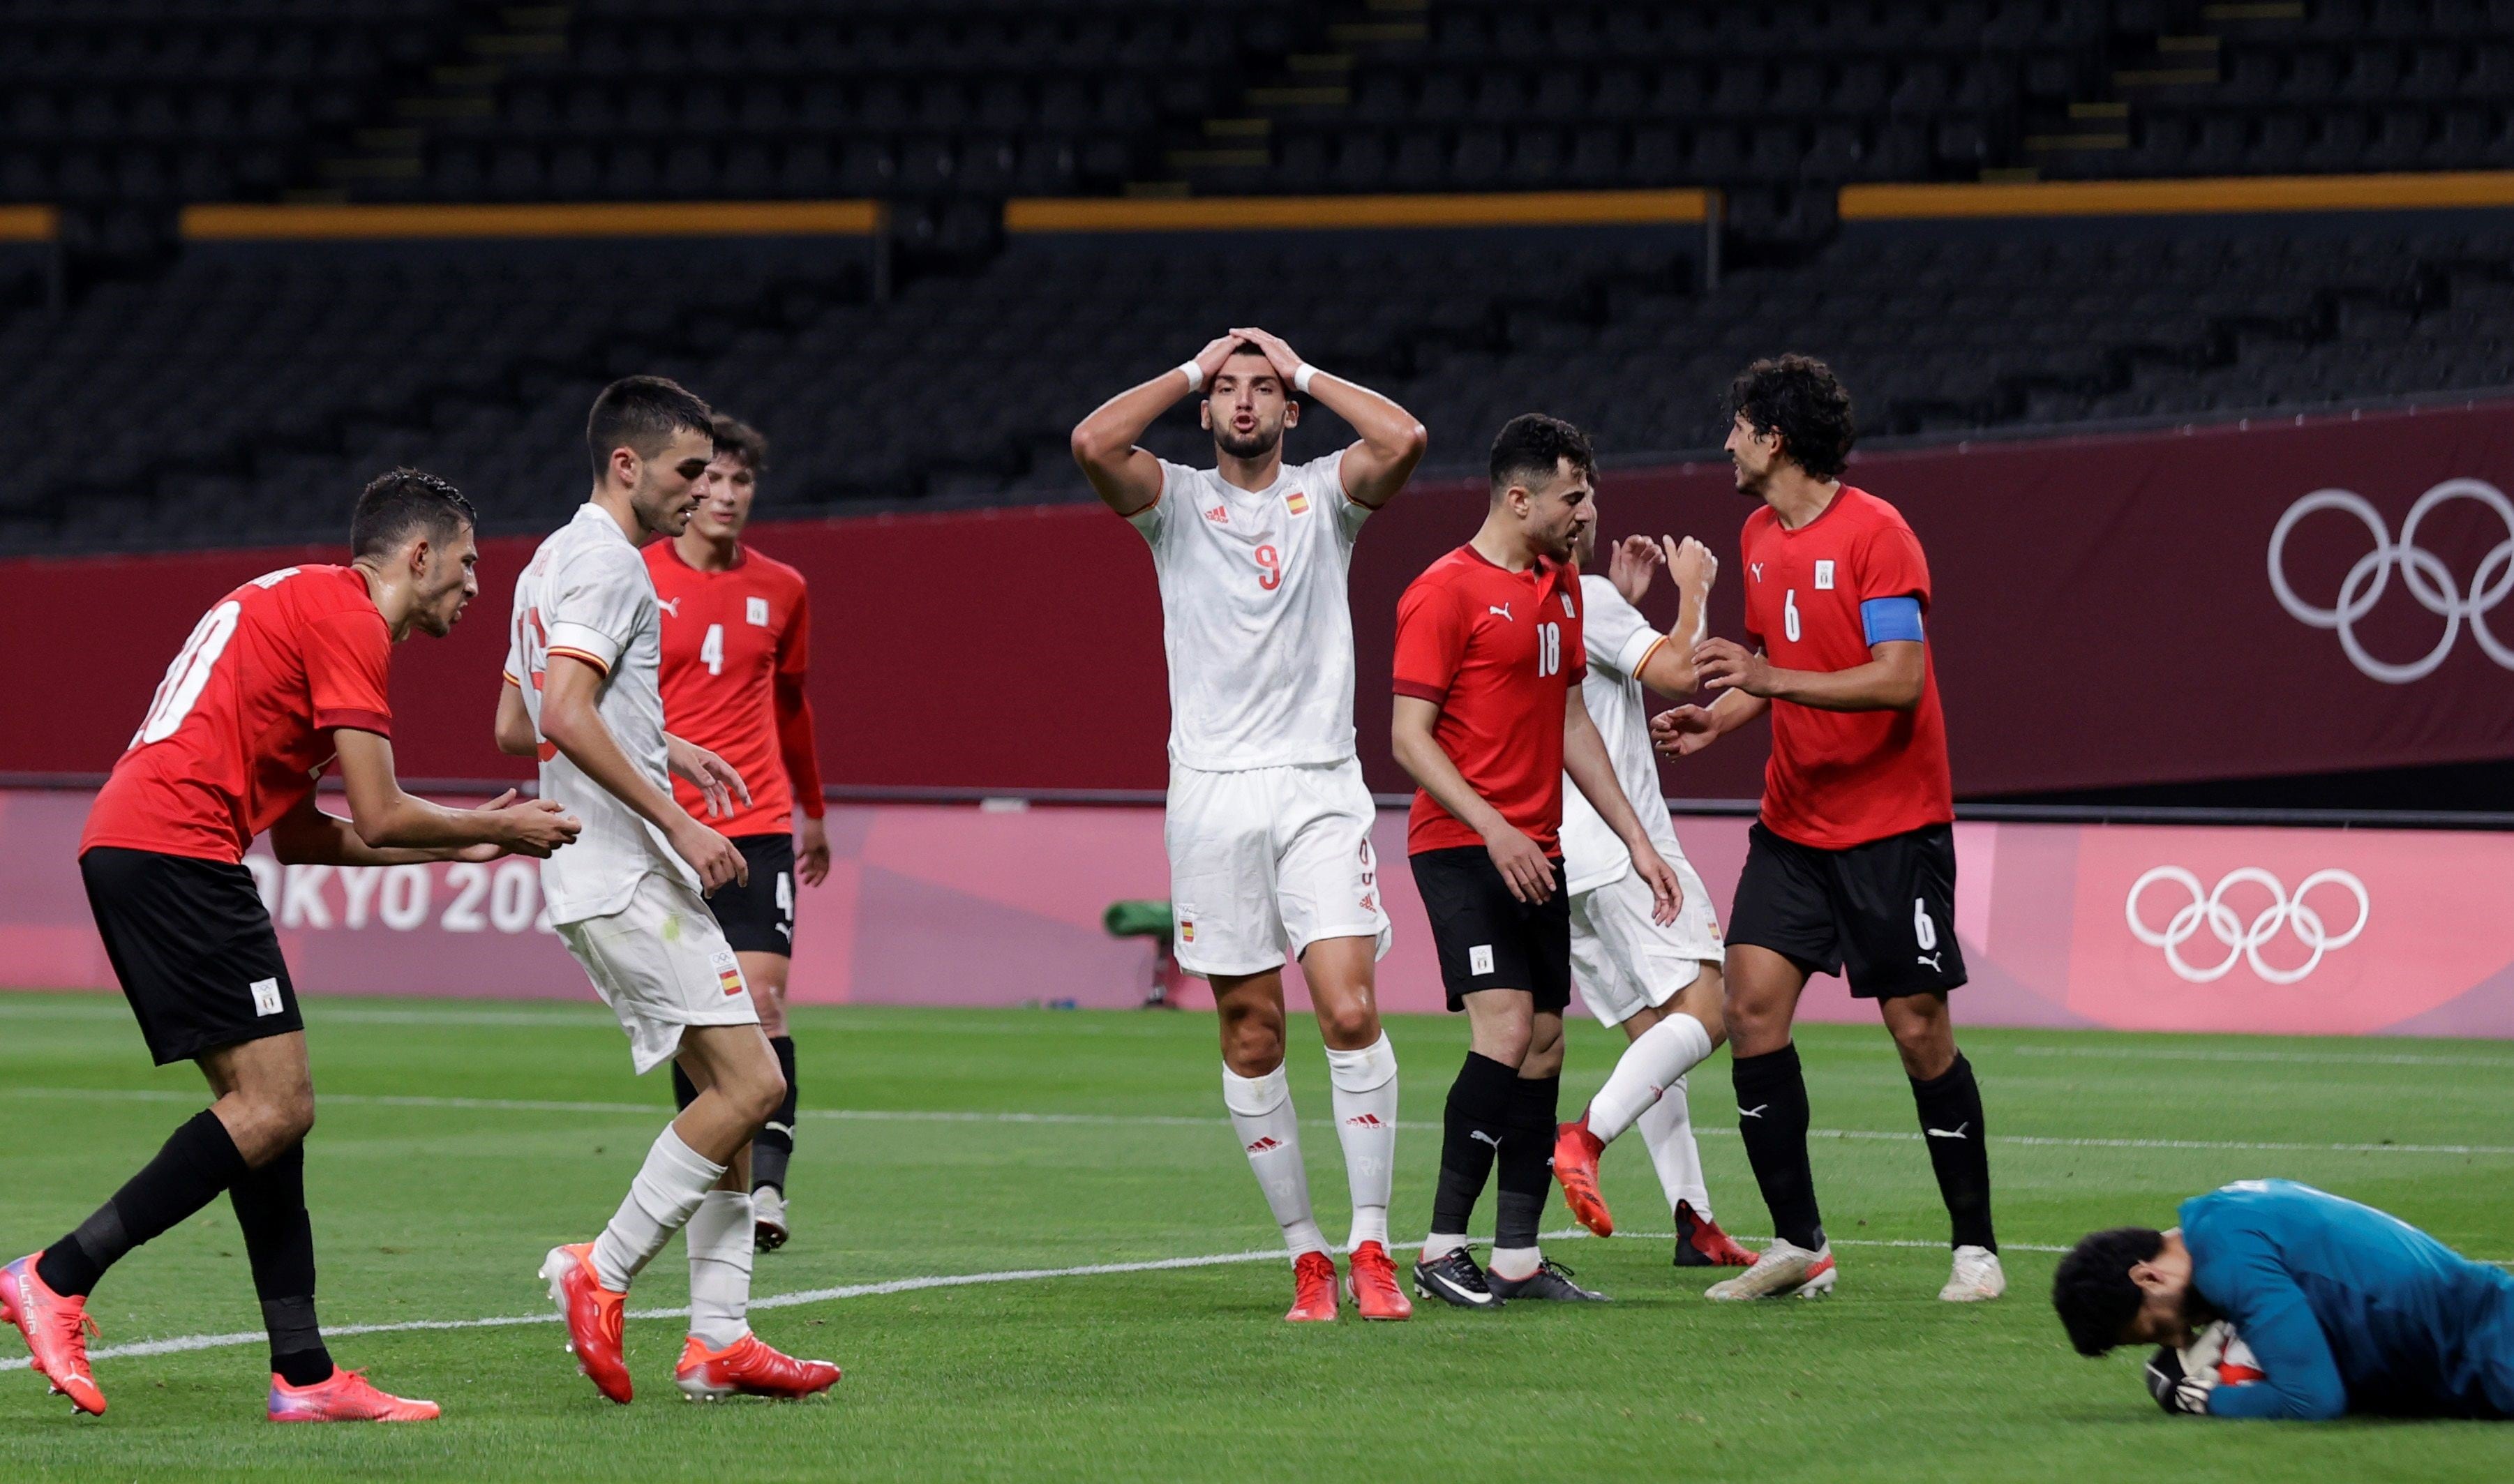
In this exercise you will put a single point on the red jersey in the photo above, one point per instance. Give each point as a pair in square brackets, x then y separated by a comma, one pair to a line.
[1839, 779]
[241, 726]
[735, 646]
[1496, 651]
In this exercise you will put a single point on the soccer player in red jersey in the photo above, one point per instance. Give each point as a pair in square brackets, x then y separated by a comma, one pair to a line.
[737, 640]
[281, 676]
[1488, 720]
[1853, 862]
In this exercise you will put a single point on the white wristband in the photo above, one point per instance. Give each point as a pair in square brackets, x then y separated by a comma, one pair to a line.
[1194, 376]
[1302, 375]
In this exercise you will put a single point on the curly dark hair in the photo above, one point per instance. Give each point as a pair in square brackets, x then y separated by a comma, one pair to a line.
[1530, 449]
[1799, 397]
[2092, 1288]
[396, 504]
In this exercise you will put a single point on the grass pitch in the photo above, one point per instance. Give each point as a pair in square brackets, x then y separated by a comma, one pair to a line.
[459, 1141]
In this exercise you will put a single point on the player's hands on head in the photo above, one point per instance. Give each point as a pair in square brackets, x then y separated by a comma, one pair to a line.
[1215, 352]
[1667, 893]
[1629, 563]
[716, 780]
[1278, 355]
[1523, 868]
[525, 827]
[2179, 1392]
[717, 860]
[1690, 563]
[812, 856]
[1684, 731]
[1725, 664]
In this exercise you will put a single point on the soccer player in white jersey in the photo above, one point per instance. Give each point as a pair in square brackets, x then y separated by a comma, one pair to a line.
[583, 691]
[1269, 823]
[1660, 983]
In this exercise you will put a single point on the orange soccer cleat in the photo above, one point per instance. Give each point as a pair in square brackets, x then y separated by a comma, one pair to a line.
[1314, 1288]
[1575, 1164]
[1700, 1243]
[344, 1397]
[748, 1367]
[593, 1315]
[1373, 1284]
[55, 1327]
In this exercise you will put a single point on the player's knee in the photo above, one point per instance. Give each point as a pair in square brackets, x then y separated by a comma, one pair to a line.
[1253, 1045]
[1351, 1025]
[761, 1094]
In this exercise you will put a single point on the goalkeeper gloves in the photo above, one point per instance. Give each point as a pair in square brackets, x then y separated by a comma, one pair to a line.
[2178, 1393]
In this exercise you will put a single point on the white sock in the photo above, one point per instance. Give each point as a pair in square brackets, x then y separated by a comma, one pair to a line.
[1514, 1261]
[1365, 1114]
[1648, 1066]
[1261, 1111]
[720, 1239]
[668, 1188]
[1439, 1244]
[1667, 1128]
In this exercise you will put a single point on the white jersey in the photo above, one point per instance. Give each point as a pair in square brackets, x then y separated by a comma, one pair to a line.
[1254, 616]
[587, 594]
[1618, 639]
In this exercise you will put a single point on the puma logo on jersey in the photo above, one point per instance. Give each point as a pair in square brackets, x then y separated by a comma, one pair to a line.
[670, 606]
[1220, 515]
[1932, 959]
[1958, 1132]
[1502, 609]
[1756, 568]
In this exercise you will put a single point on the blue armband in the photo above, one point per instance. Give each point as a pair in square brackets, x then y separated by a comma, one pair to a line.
[1884, 619]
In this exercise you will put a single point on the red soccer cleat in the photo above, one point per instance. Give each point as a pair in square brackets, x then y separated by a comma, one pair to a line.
[1700, 1243]
[748, 1367]
[55, 1327]
[592, 1314]
[1313, 1286]
[1373, 1284]
[1575, 1164]
[345, 1397]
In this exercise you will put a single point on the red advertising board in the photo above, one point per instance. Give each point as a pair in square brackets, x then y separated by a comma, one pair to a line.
[2130, 927]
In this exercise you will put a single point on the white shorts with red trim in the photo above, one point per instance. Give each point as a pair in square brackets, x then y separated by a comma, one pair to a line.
[1265, 861]
[1623, 961]
[661, 963]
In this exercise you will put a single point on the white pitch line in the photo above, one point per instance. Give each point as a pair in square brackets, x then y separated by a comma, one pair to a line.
[1164, 1120]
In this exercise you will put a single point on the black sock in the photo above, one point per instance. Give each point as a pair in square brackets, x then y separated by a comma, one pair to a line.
[1773, 1119]
[773, 1145]
[279, 1237]
[189, 1171]
[1473, 1128]
[684, 1091]
[1526, 1175]
[1950, 1124]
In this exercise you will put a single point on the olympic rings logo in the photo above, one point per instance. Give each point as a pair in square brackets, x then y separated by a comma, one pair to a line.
[2244, 940]
[2422, 572]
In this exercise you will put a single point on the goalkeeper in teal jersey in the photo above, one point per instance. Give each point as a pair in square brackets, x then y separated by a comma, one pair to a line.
[2346, 1308]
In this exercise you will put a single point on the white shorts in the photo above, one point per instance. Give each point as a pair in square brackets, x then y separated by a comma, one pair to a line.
[1623, 960]
[1265, 861]
[661, 963]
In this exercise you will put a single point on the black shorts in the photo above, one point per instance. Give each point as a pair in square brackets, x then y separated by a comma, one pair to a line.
[194, 950]
[760, 917]
[1884, 911]
[1490, 938]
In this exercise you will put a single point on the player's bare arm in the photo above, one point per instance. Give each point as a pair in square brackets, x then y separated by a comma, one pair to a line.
[794, 737]
[1128, 479]
[1894, 679]
[712, 776]
[307, 835]
[1522, 865]
[1391, 439]
[1689, 729]
[1668, 669]
[1585, 759]
[514, 727]
[570, 720]
[383, 817]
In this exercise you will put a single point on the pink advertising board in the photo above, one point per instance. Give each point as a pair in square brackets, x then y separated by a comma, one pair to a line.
[2130, 927]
